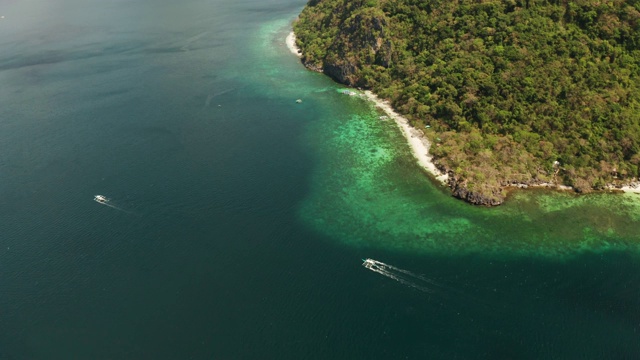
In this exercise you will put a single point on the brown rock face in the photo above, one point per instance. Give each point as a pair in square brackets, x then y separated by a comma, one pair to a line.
[343, 72]
[361, 41]
[460, 191]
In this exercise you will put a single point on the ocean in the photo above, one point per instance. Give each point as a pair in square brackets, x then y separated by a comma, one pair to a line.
[239, 219]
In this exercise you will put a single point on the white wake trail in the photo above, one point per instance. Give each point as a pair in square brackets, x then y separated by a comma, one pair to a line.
[416, 281]
[402, 276]
[102, 200]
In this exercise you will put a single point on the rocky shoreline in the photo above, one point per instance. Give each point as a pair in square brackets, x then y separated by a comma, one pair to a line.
[420, 145]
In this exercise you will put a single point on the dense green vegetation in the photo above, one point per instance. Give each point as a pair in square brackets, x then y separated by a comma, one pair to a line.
[507, 87]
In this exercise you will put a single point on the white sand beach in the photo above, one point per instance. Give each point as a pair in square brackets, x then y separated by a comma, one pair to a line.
[416, 139]
[633, 188]
[291, 44]
[420, 145]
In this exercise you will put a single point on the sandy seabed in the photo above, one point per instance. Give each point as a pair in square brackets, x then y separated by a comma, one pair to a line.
[417, 140]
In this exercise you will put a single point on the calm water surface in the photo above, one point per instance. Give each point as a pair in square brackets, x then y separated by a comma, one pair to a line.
[240, 218]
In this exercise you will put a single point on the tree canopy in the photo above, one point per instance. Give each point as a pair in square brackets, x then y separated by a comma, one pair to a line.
[507, 87]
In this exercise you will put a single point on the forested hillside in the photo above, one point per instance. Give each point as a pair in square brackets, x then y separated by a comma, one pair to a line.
[507, 87]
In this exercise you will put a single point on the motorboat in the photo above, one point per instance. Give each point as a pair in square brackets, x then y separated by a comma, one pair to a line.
[368, 263]
[101, 199]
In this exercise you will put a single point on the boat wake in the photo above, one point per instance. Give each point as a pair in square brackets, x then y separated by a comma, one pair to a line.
[453, 295]
[103, 200]
[402, 276]
[413, 280]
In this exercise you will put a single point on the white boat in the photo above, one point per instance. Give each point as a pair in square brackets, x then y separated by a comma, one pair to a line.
[100, 198]
[368, 263]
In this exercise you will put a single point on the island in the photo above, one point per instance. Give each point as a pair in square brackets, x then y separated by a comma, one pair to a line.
[506, 93]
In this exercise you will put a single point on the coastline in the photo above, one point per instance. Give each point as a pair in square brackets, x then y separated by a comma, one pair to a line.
[420, 145]
[291, 44]
[630, 188]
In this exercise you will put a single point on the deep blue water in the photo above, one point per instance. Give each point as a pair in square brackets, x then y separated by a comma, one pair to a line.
[183, 114]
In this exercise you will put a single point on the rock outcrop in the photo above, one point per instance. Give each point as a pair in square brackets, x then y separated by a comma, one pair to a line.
[459, 190]
[361, 40]
[508, 92]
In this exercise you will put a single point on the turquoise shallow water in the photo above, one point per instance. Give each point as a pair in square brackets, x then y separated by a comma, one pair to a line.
[368, 192]
[246, 215]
